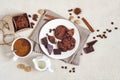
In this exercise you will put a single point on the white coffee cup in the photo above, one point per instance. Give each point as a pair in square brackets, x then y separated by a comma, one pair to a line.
[14, 51]
[44, 64]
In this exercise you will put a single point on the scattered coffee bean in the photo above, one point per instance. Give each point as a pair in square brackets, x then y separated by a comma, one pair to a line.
[98, 30]
[62, 67]
[70, 13]
[73, 71]
[71, 18]
[65, 67]
[29, 16]
[78, 17]
[73, 68]
[112, 23]
[70, 10]
[70, 71]
[116, 28]
[109, 30]
[93, 37]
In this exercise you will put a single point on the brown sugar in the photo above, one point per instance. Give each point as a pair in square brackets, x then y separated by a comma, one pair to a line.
[22, 47]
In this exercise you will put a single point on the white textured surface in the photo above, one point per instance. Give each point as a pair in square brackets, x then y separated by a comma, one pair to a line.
[103, 64]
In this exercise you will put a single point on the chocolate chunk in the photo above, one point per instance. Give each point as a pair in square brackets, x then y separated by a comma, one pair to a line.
[57, 51]
[51, 39]
[91, 43]
[49, 48]
[88, 49]
[44, 41]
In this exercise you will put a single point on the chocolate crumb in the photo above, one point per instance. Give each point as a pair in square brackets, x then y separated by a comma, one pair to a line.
[112, 23]
[73, 71]
[104, 32]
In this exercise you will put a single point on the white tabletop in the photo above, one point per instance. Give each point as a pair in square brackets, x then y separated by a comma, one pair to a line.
[102, 64]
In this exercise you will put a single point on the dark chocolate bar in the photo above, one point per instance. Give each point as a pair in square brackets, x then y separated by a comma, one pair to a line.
[44, 41]
[91, 43]
[57, 51]
[49, 48]
[88, 49]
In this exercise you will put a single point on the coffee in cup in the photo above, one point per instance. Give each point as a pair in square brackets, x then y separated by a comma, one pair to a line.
[22, 47]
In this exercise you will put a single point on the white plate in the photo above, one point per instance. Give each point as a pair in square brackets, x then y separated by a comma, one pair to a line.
[52, 25]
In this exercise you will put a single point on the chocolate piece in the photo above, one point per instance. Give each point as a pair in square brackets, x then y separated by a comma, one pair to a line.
[32, 24]
[104, 32]
[70, 71]
[51, 39]
[44, 41]
[57, 51]
[91, 43]
[49, 48]
[88, 49]
[21, 22]
[77, 11]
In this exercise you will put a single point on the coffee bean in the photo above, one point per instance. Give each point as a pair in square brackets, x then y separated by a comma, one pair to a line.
[62, 67]
[65, 67]
[116, 28]
[93, 37]
[78, 17]
[104, 32]
[112, 23]
[110, 31]
[70, 71]
[70, 13]
[98, 30]
[29, 15]
[70, 10]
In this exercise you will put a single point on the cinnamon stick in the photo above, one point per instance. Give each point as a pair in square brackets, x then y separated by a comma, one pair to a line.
[87, 24]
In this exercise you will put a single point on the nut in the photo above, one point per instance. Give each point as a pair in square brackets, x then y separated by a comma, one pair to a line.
[41, 11]
[71, 18]
[77, 21]
[27, 68]
[21, 66]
